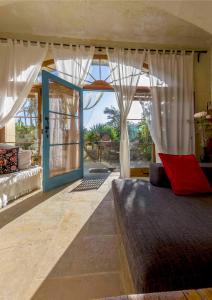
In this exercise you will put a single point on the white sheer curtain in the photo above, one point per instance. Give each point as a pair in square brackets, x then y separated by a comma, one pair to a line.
[125, 67]
[20, 63]
[73, 64]
[170, 111]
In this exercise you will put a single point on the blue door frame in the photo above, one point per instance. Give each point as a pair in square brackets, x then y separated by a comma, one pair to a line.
[53, 182]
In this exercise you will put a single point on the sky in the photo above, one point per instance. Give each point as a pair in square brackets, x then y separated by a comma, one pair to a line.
[96, 115]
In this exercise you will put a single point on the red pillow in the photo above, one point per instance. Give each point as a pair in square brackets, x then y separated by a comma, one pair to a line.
[185, 174]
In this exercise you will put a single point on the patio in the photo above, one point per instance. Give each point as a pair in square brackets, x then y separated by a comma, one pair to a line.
[101, 155]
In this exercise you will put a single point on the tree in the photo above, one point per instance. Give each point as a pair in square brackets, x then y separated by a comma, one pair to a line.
[91, 135]
[143, 133]
[96, 133]
[113, 116]
[31, 110]
[145, 141]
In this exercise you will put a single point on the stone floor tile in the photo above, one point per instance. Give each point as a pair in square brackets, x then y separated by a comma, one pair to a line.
[80, 288]
[18, 267]
[90, 254]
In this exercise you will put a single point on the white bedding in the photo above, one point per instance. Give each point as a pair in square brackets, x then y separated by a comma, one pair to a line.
[17, 184]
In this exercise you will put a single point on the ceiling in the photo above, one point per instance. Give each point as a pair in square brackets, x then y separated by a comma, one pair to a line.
[154, 23]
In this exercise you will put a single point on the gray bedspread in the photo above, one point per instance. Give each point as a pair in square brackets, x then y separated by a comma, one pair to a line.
[168, 238]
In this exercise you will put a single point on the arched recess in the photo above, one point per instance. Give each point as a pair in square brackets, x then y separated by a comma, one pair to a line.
[197, 13]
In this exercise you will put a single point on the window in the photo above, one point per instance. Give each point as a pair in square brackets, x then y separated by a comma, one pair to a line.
[24, 130]
[99, 70]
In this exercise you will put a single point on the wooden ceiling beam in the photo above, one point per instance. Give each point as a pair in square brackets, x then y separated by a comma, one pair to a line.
[49, 62]
[96, 87]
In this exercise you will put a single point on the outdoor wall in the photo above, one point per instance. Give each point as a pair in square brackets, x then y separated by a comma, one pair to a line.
[202, 87]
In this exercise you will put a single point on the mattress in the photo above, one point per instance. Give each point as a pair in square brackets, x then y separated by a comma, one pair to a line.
[17, 184]
[167, 238]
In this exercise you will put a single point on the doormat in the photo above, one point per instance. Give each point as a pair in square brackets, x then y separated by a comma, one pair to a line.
[91, 182]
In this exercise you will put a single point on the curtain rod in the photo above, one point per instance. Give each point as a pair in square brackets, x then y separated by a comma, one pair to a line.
[100, 48]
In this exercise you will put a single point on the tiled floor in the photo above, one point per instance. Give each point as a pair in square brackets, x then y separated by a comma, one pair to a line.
[60, 245]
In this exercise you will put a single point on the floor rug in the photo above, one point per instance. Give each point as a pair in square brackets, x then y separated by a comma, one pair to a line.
[91, 182]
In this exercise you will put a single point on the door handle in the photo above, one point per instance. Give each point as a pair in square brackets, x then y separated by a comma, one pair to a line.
[47, 127]
[47, 120]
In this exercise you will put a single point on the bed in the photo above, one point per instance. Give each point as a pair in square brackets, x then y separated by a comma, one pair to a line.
[167, 238]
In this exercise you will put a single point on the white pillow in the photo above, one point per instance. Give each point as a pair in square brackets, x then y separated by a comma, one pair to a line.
[24, 159]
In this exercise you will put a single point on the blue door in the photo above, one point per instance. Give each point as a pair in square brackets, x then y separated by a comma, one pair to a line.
[62, 131]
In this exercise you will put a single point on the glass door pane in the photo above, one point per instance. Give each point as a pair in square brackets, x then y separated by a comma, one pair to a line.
[63, 129]
[63, 159]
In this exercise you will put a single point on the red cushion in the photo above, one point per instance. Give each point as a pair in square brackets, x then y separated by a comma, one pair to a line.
[185, 174]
